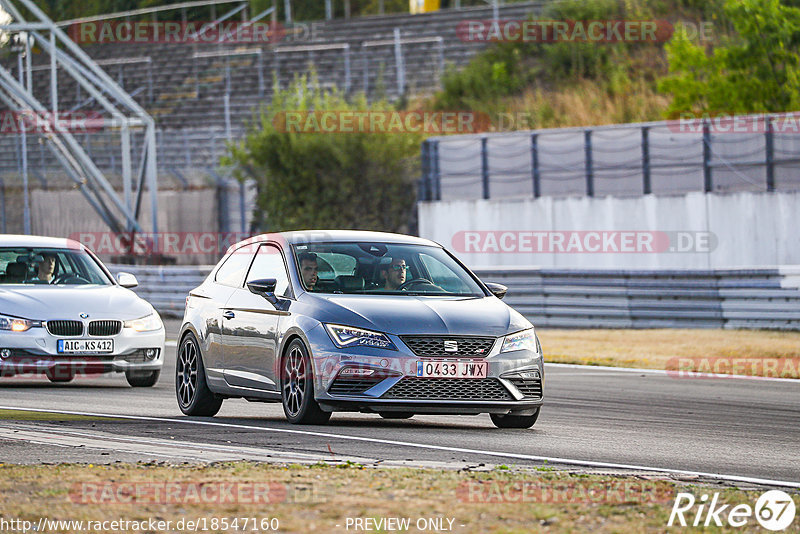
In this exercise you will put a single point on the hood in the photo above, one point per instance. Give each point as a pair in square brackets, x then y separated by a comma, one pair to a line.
[486, 316]
[48, 302]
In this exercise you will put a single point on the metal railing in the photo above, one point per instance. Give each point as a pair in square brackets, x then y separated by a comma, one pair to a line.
[559, 298]
[400, 67]
[668, 157]
[724, 298]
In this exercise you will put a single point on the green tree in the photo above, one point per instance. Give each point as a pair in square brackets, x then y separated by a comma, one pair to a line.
[756, 70]
[358, 180]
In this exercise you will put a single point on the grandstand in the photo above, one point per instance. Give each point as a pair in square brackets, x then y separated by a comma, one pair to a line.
[202, 96]
[183, 86]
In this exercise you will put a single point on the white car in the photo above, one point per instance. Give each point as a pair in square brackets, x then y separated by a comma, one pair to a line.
[62, 313]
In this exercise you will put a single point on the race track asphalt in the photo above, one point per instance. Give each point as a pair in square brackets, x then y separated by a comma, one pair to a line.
[731, 427]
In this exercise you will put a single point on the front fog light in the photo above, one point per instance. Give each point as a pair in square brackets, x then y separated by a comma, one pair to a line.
[5, 353]
[151, 354]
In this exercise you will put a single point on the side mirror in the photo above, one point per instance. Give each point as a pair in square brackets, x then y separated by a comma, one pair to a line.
[266, 288]
[263, 287]
[498, 290]
[127, 280]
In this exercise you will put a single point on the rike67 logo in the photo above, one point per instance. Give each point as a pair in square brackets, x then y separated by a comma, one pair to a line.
[774, 510]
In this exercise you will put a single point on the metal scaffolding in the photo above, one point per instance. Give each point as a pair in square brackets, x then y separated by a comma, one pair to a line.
[120, 113]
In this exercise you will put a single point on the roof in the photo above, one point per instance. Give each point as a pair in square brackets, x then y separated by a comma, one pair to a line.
[324, 236]
[13, 240]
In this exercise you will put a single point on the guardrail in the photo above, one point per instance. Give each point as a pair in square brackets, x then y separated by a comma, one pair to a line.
[559, 298]
[735, 298]
[165, 287]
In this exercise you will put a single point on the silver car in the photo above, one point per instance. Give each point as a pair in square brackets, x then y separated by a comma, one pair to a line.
[63, 314]
[356, 321]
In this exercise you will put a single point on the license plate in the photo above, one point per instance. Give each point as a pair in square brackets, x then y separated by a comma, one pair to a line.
[452, 369]
[71, 346]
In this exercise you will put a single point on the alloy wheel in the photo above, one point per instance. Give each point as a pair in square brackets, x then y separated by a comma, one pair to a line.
[187, 373]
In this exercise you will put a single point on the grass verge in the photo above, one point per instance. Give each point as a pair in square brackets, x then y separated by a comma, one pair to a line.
[741, 352]
[321, 498]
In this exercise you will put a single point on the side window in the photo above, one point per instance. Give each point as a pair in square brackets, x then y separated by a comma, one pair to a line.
[232, 271]
[269, 264]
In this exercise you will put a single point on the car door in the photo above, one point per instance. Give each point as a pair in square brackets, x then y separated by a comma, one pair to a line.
[212, 296]
[251, 325]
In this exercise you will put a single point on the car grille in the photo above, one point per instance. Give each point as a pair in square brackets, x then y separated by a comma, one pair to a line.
[352, 386]
[478, 389]
[529, 387]
[434, 345]
[105, 328]
[65, 328]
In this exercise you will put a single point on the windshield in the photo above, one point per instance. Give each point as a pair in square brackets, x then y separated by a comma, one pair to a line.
[382, 268]
[49, 266]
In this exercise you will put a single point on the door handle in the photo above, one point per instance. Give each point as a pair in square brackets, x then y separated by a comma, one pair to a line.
[229, 314]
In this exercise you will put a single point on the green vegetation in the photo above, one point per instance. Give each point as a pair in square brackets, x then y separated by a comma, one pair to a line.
[346, 180]
[542, 81]
[747, 60]
[756, 70]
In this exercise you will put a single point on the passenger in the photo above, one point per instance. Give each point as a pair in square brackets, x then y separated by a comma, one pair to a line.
[308, 269]
[46, 269]
[394, 274]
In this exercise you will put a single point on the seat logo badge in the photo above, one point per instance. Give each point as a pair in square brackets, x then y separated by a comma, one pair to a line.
[84, 316]
[450, 346]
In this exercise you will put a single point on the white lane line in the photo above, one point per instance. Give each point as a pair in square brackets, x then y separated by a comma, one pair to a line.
[171, 343]
[529, 457]
[673, 374]
[159, 447]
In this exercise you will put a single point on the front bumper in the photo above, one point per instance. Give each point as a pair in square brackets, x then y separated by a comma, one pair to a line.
[35, 351]
[398, 389]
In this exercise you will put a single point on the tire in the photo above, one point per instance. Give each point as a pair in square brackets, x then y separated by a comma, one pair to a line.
[297, 387]
[60, 375]
[191, 387]
[515, 421]
[396, 415]
[142, 379]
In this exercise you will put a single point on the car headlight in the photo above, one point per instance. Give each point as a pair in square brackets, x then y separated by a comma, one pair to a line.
[349, 336]
[148, 323]
[16, 324]
[524, 340]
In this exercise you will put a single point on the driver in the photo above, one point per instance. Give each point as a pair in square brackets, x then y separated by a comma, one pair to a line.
[309, 269]
[46, 268]
[394, 274]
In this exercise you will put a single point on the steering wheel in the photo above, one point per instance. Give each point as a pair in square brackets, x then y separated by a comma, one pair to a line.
[412, 282]
[63, 278]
